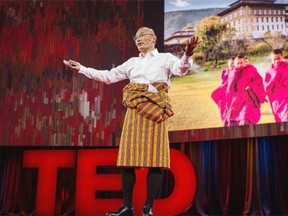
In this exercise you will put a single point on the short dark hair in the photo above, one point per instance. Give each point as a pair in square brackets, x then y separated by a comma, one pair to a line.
[277, 51]
[240, 56]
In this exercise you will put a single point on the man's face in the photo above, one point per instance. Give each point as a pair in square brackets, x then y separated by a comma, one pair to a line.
[239, 62]
[276, 58]
[145, 40]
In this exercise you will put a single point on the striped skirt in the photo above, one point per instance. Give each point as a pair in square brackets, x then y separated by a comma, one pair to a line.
[143, 143]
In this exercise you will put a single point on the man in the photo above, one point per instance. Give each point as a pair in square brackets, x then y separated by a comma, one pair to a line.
[144, 139]
[239, 97]
[276, 86]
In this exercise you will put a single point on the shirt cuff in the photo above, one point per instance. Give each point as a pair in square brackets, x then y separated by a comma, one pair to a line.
[82, 69]
[187, 59]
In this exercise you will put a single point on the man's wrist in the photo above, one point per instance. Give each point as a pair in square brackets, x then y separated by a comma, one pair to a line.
[188, 53]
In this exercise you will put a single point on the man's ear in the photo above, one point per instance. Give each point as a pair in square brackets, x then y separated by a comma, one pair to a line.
[154, 38]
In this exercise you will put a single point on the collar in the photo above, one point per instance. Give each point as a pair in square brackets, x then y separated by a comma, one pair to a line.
[280, 63]
[151, 53]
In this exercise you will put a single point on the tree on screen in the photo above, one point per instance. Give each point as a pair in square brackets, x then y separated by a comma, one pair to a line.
[213, 35]
[274, 39]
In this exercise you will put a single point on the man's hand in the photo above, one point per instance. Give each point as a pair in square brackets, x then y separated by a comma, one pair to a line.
[72, 65]
[191, 44]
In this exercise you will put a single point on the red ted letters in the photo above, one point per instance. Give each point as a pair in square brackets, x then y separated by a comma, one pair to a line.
[88, 181]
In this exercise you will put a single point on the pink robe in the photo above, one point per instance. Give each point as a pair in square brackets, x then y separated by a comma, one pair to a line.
[237, 104]
[276, 87]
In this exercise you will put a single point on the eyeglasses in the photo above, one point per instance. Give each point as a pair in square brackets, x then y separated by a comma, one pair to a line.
[140, 36]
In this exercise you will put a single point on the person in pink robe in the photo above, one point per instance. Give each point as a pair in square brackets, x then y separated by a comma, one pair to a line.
[239, 98]
[217, 95]
[276, 86]
[225, 72]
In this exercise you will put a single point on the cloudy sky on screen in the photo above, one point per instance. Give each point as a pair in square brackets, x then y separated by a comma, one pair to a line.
[176, 5]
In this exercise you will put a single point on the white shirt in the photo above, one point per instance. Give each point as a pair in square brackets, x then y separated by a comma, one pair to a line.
[154, 67]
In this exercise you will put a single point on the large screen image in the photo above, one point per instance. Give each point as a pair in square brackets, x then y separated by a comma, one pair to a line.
[42, 103]
[233, 81]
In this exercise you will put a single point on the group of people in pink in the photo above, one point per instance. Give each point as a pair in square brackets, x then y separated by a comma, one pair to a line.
[242, 91]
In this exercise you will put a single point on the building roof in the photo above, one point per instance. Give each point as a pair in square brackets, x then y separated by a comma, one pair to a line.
[188, 29]
[253, 1]
[257, 3]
